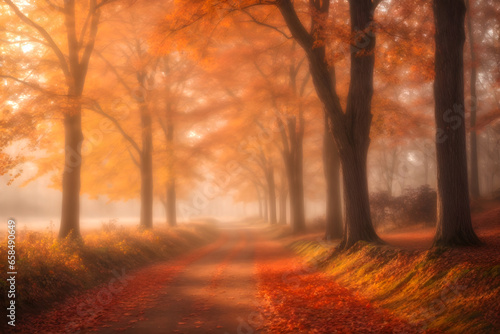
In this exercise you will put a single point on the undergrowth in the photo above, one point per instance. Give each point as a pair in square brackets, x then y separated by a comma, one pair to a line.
[49, 270]
[431, 289]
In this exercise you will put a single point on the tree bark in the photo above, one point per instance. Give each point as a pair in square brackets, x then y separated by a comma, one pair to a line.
[266, 206]
[454, 226]
[351, 129]
[171, 204]
[353, 147]
[171, 194]
[272, 195]
[75, 69]
[146, 169]
[259, 198]
[295, 175]
[261, 213]
[331, 166]
[474, 173]
[73, 138]
[283, 200]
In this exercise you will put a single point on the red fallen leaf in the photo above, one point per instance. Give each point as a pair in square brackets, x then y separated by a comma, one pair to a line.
[181, 323]
[219, 326]
[306, 300]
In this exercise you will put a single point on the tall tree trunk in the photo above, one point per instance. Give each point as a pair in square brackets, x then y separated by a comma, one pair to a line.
[454, 226]
[272, 195]
[75, 68]
[73, 138]
[353, 147]
[300, 223]
[261, 213]
[358, 225]
[171, 194]
[146, 169]
[283, 200]
[259, 198]
[352, 128]
[266, 206]
[295, 172]
[331, 166]
[474, 173]
[171, 203]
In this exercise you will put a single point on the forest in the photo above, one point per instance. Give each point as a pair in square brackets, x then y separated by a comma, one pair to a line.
[252, 166]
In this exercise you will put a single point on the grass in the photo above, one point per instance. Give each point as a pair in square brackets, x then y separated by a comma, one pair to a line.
[49, 270]
[426, 288]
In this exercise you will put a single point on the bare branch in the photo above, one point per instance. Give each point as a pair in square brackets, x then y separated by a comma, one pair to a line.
[96, 107]
[54, 6]
[266, 25]
[45, 35]
[134, 160]
[115, 72]
[31, 85]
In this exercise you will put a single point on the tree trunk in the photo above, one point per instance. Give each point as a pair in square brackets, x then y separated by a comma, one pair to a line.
[75, 74]
[358, 224]
[293, 160]
[259, 198]
[352, 128]
[73, 138]
[353, 147]
[266, 206]
[146, 169]
[171, 204]
[272, 195]
[261, 213]
[283, 200]
[454, 226]
[331, 166]
[298, 167]
[474, 173]
[171, 194]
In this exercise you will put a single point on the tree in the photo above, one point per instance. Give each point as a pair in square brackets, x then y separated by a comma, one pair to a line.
[331, 166]
[474, 174]
[80, 37]
[454, 225]
[350, 129]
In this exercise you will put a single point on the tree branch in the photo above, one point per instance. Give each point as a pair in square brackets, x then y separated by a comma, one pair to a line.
[96, 107]
[266, 25]
[45, 35]
[31, 85]
[134, 160]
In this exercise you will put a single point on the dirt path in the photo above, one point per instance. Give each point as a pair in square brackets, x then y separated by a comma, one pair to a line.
[209, 296]
[241, 284]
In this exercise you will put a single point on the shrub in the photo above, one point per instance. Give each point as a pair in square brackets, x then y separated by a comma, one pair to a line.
[415, 205]
[421, 204]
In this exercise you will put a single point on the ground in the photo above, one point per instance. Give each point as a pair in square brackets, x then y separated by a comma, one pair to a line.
[245, 282]
[231, 286]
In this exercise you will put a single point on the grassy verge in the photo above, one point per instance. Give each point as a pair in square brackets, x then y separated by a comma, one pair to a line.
[49, 270]
[435, 289]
